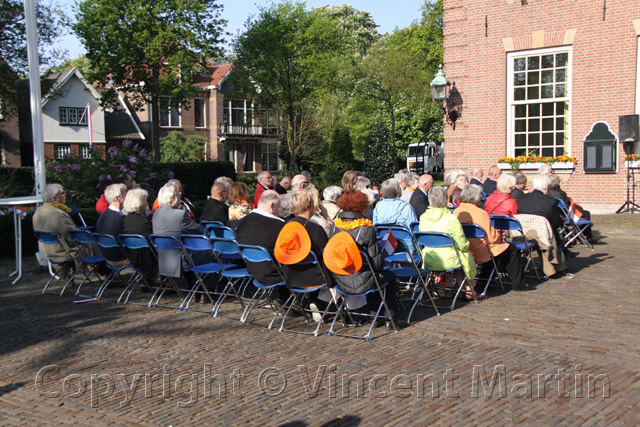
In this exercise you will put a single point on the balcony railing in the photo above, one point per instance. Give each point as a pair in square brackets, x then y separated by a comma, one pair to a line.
[237, 130]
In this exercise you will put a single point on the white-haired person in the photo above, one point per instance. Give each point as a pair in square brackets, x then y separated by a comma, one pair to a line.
[489, 184]
[170, 219]
[505, 254]
[501, 202]
[110, 222]
[265, 182]
[330, 196]
[53, 217]
[136, 221]
[460, 182]
[391, 209]
[412, 184]
[538, 202]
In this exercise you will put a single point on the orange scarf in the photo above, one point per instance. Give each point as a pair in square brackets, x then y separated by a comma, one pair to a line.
[356, 223]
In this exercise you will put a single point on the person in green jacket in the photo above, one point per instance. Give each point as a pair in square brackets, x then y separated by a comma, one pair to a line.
[438, 218]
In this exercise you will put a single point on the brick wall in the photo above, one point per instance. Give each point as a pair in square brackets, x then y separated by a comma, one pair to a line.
[477, 36]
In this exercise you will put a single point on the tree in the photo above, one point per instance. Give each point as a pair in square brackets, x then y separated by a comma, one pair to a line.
[340, 156]
[176, 148]
[149, 48]
[81, 63]
[13, 45]
[283, 59]
[378, 159]
[358, 26]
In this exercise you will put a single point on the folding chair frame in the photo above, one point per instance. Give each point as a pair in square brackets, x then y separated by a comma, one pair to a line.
[474, 231]
[84, 237]
[170, 243]
[507, 223]
[227, 250]
[131, 242]
[571, 229]
[199, 244]
[47, 239]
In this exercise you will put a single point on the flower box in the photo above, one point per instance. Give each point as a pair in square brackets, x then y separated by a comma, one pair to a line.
[559, 167]
[633, 164]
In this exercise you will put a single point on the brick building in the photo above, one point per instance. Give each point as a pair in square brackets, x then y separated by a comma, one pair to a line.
[536, 76]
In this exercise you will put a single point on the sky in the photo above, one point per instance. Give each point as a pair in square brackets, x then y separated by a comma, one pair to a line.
[389, 15]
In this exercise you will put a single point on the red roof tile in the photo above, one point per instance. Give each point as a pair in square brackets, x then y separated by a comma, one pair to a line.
[215, 74]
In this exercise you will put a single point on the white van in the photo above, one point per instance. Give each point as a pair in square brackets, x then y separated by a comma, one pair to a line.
[425, 157]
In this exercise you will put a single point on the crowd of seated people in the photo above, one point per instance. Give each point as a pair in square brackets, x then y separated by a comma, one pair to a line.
[354, 207]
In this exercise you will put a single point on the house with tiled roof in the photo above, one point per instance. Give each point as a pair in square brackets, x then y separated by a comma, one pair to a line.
[235, 127]
[73, 119]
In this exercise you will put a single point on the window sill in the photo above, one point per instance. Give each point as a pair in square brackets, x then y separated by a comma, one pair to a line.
[558, 167]
[635, 164]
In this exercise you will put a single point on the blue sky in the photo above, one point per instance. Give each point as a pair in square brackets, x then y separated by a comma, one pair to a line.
[389, 15]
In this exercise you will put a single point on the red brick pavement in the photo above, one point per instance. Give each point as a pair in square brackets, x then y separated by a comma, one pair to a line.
[65, 363]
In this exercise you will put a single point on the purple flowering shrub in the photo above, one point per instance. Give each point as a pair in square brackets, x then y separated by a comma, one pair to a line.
[84, 178]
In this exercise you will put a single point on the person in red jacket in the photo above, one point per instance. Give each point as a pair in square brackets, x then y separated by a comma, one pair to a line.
[501, 202]
[265, 182]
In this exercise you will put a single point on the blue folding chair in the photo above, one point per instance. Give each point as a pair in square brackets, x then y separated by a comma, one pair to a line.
[51, 239]
[259, 254]
[573, 230]
[474, 231]
[381, 289]
[434, 239]
[237, 278]
[407, 255]
[107, 241]
[297, 300]
[84, 238]
[169, 243]
[203, 262]
[137, 242]
[507, 223]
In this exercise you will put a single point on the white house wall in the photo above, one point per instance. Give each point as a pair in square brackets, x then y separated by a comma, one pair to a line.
[73, 94]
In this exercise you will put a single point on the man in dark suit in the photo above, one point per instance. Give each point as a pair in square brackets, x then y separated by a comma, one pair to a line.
[170, 219]
[538, 202]
[110, 222]
[491, 182]
[261, 227]
[216, 208]
[476, 176]
[419, 199]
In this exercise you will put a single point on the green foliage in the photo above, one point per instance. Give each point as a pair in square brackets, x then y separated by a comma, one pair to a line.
[81, 63]
[13, 45]
[176, 148]
[339, 157]
[162, 44]
[358, 26]
[85, 178]
[16, 182]
[284, 59]
[378, 159]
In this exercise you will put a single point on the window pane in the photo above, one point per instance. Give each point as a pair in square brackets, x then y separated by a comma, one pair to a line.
[534, 140]
[519, 64]
[198, 113]
[518, 94]
[533, 77]
[521, 125]
[521, 110]
[547, 139]
[547, 76]
[519, 79]
[590, 158]
[561, 59]
[560, 123]
[533, 92]
[561, 74]
[547, 61]
[521, 140]
[175, 115]
[560, 91]
[547, 92]
[560, 138]
[533, 62]
[560, 108]
[248, 157]
[164, 111]
[547, 124]
[73, 116]
[534, 125]
[547, 109]
[63, 115]
[560, 151]
[521, 152]
[534, 110]
[607, 157]
[547, 152]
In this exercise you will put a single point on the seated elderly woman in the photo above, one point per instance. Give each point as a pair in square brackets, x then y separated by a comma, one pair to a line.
[438, 218]
[391, 209]
[354, 204]
[331, 195]
[501, 202]
[53, 217]
[505, 254]
[136, 222]
[240, 207]
[460, 182]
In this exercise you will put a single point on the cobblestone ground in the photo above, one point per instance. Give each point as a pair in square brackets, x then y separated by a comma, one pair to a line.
[566, 353]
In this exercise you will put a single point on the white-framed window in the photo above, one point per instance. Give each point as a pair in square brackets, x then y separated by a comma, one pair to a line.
[238, 117]
[199, 112]
[72, 116]
[539, 102]
[59, 151]
[169, 112]
[248, 151]
[270, 156]
[86, 152]
[270, 121]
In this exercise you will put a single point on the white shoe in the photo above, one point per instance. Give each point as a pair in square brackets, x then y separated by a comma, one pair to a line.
[317, 316]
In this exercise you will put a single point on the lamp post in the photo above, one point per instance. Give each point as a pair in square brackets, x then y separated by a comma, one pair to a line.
[449, 100]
